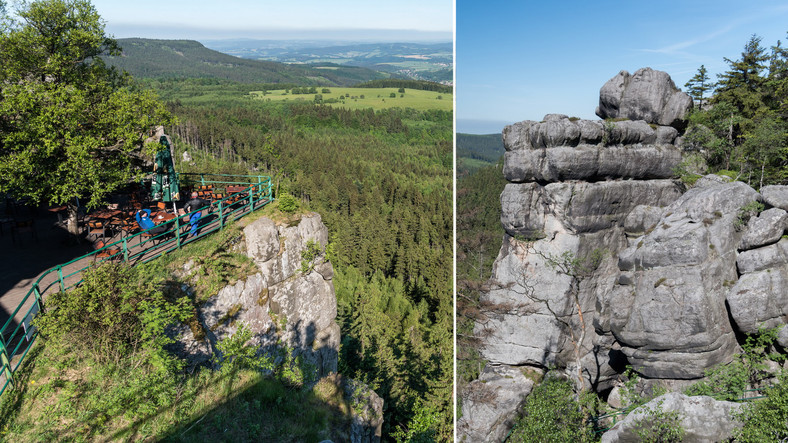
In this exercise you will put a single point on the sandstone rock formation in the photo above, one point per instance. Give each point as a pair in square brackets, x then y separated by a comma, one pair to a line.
[702, 418]
[286, 306]
[490, 404]
[645, 95]
[281, 305]
[610, 261]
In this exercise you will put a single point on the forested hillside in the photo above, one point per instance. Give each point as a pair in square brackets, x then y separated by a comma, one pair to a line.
[475, 151]
[422, 61]
[382, 183]
[146, 58]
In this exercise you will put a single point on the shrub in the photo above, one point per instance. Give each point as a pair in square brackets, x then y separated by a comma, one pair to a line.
[551, 414]
[309, 256]
[288, 203]
[236, 355]
[113, 313]
[765, 420]
[729, 381]
[659, 426]
[746, 212]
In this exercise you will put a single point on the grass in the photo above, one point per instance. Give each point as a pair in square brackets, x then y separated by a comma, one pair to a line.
[70, 398]
[375, 98]
[65, 394]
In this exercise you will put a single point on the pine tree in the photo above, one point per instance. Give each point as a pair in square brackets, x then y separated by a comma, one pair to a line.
[698, 85]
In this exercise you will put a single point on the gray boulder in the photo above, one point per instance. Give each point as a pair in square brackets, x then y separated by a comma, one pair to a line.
[760, 299]
[561, 131]
[491, 403]
[703, 419]
[767, 228]
[764, 258]
[645, 95]
[713, 199]
[591, 207]
[776, 195]
[529, 304]
[579, 206]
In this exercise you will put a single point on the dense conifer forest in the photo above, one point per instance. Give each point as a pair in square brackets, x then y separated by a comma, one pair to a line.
[382, 182]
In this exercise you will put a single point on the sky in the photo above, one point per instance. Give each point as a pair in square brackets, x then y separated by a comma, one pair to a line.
[414, 20]
[520, 60]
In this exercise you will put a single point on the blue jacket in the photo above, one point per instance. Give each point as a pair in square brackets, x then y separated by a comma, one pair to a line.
[144, 222]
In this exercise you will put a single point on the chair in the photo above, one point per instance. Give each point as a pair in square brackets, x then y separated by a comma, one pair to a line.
[111, 253]
[96, 227]
[216, 196]
[22, 226]
[128, 227]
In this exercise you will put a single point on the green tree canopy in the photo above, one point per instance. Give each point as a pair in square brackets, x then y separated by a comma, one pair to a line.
[69, 125]
[698, 85]
[741, 84]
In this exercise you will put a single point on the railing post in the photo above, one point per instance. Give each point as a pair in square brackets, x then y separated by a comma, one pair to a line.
[60, 278]
[125, 250]
[221, 216]
[6, 362]
[251, 198]
[178, 230]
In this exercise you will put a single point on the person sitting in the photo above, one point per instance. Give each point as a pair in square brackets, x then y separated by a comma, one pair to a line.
[147, 224]
[195, 207]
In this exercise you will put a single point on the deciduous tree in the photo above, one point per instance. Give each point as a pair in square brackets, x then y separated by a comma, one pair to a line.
[70, 127]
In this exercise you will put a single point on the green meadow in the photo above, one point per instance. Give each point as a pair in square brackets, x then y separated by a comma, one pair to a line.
[363, 98]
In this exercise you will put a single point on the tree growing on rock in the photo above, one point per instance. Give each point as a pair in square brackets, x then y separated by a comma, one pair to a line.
[70, 126]
[698, 85]
[573, 323]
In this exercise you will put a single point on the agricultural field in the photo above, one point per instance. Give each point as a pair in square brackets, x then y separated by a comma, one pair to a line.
[364, 98]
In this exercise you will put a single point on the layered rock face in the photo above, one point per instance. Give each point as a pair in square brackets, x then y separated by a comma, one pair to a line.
[280, 305]
[286, 305]
[573, 185]
[607, 256]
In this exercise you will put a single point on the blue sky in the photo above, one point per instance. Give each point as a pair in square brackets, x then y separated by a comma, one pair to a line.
[520, 60]
[355, 19]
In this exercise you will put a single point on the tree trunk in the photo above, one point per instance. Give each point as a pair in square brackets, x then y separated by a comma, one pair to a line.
[72, 223]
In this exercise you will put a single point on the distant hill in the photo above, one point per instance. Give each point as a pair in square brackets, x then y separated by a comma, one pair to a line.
[162, 59]
[475, 151]
[416, 61]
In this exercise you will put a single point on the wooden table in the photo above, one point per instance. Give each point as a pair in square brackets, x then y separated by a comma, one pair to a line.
[105, 215]
[161, 217]
[59, 211]
[234, 189]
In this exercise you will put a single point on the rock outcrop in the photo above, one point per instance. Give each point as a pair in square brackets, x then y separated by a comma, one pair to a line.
[702, 418]
[281, 305]
[607, 257]
[490, 404]
[645, 95]
[289, 305]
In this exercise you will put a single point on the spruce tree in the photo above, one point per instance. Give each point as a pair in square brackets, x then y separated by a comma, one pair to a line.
[698, 85]
[741, 84]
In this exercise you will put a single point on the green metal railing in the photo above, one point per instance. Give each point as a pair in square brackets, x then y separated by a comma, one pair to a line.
[16, 343]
